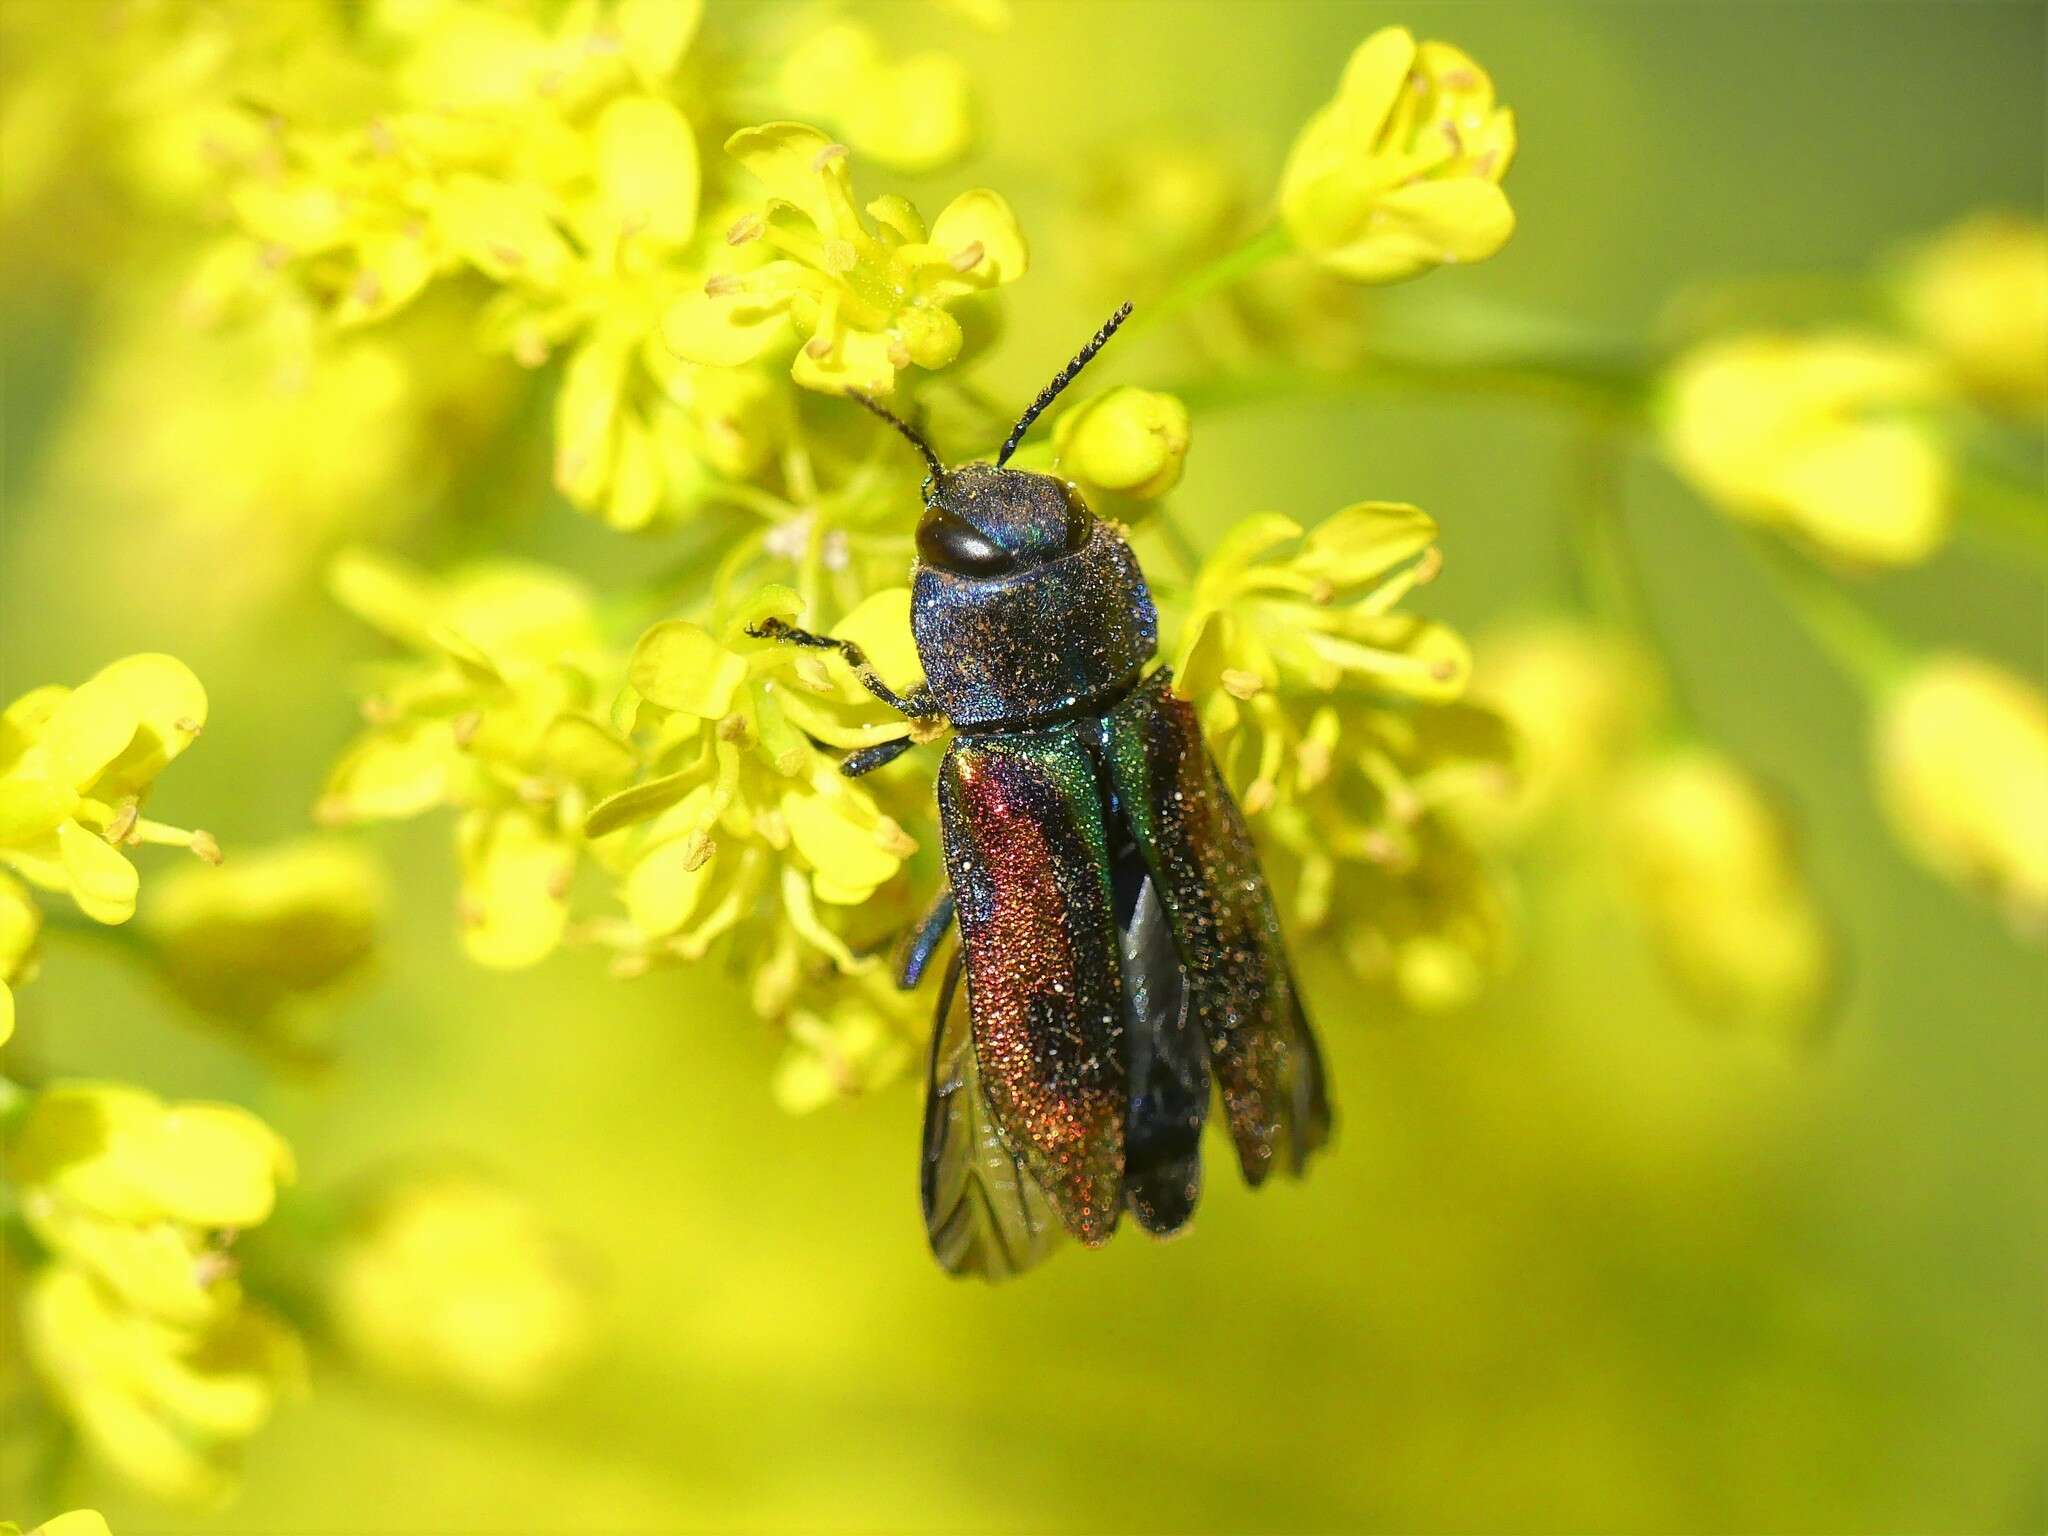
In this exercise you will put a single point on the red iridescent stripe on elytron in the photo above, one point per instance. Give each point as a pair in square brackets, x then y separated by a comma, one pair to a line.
[1023, 836]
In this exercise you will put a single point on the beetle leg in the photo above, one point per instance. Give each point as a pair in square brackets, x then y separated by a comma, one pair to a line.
[919, 705]
[923, 941]
[868, 759]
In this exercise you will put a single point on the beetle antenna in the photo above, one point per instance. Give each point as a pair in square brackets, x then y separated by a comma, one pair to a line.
[931, 459]
[1061, 380]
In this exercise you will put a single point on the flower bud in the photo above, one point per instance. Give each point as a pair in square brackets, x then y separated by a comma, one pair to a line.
[1128, 441]
[1962, 770]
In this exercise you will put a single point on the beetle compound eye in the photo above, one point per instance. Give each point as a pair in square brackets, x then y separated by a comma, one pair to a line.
[953, 544]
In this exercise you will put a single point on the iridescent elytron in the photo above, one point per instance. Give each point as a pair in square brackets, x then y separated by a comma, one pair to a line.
[1119, 946]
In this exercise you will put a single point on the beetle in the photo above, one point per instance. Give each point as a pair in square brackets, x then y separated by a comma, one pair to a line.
[1120, 961]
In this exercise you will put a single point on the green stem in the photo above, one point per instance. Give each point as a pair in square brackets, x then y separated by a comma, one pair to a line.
[1608, 574]
[1858, 643]
[1607, 389]
[2001, 515]
[1227, 270]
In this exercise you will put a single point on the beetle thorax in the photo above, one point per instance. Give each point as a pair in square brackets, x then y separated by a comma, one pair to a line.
[1026, 607]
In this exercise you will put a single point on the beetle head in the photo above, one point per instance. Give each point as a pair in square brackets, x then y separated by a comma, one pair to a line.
[985, 520]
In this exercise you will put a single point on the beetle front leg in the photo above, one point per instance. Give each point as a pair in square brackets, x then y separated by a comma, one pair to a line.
[868, 759]
[918, 706]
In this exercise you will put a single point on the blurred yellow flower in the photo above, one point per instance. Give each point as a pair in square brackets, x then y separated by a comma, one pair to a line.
[1978, 295]
[20, 921]
[76, 765]
[165, 1407]
[497, 716]
[276, 925]
[1322, 617]
[448, 1280]
[1718, 883]
[1962, 769]
[79, 1522]
[867, 300]
[1824, 437]
[847, 1041]
[142, 1195]
[912, 114]
[1124, 445]
[1582, 702]
[1401, 171]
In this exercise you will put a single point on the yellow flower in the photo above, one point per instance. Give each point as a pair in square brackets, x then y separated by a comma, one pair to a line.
[1717, 881]
[20, 921]
[1962, 770]
[165, 1407]
[744, 815]
[1401, 171]
[75, 767]
[1124, 445]
[142, 1195]
[448, 1280]
[1581, 702]
[1319, 621]
[245, 941]
[1978, 295]
[912, 115]
[79, 1522]
[256, 437]
[1825, 437]
[848, 1040]
[498, 716]
[868, 300]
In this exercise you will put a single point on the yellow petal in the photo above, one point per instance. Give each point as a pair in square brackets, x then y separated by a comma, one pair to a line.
[392, 774]
[168, 708]
[847, 854]
[655, 34]
[663, 888]
[727, 329]
[677, 666]
[857, 360]
[211, 1165]
[101, 881]
[880, 626]
[503, 229]
[515, 890]
[982, 219]
[32, 807]
[793, 161]
[647, 169]
[1364, 542]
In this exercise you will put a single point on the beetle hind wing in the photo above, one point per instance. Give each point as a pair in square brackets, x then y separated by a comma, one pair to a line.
[1262, 1054]
[983, 1213]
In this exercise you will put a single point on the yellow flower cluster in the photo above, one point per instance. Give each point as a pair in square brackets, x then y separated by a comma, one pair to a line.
[1401, 171]
[1828, 438]
[1335, 716]
[448, 1280]
[1703, 858]
[136, 1324]
[76, 765]
[249, 944]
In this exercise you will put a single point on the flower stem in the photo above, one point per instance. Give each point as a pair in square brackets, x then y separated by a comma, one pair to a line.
[2002, 516]
[1602, 387]
[1608, 576]
[1227, 270]
[1857, 642]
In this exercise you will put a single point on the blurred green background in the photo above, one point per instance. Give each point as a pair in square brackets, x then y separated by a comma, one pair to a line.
[1576, 1263]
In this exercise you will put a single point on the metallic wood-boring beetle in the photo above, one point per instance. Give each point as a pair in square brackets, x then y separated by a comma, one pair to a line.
[1120, 953]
